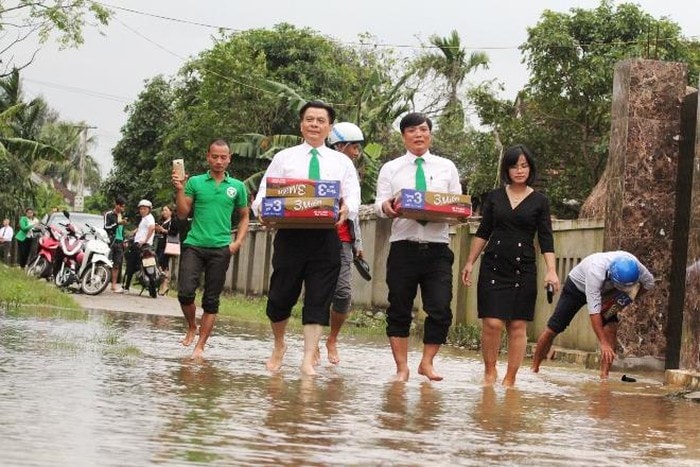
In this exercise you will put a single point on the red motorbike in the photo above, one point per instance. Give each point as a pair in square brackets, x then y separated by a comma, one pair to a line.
[49, 241]
[70, 257]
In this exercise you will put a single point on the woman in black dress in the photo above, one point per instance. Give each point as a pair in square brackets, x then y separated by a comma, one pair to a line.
[507, 287]
[167, 228]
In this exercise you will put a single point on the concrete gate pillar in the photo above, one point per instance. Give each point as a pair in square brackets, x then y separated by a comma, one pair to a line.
[684, 336]
[641, 198]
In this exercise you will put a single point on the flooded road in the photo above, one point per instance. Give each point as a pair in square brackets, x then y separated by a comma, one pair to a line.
[117, 389]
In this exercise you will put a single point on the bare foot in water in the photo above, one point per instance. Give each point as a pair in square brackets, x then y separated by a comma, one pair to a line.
[429, 372]
[198, 354]
[490, 377]
[307, 368]
[401, 375]
[275, 361]
[189, 337]
[333, 356]
[508, 382]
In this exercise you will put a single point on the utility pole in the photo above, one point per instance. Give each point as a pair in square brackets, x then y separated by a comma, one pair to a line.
[78, 203]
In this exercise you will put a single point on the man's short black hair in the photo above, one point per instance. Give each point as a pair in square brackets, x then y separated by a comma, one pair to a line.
[318, 105]
[414, 119]
[120, 200]
[217, 142]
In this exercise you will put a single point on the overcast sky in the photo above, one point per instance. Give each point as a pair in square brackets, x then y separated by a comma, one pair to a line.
[96, 81]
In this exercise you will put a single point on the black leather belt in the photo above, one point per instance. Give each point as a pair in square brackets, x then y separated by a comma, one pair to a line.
[420, 245]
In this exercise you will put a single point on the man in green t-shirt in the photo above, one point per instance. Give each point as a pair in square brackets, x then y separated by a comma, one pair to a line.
[212, 198]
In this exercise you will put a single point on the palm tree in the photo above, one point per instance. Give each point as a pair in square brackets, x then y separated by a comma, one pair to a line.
[452, 64]
[21, 147]
[17, 157]
[66, 137]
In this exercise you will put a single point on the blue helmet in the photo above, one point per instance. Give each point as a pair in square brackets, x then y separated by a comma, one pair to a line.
[623, 271]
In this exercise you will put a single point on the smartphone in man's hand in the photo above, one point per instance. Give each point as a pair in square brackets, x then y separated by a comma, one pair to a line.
[179, 168]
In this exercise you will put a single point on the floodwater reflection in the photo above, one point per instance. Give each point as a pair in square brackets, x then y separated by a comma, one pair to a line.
[118, 389]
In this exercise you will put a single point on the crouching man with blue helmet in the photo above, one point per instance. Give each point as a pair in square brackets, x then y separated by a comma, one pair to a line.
[598, 276]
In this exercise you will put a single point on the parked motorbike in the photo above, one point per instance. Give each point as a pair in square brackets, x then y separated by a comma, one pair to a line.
[49, 240]
[85, 265]
[69, 257]
[149, 274]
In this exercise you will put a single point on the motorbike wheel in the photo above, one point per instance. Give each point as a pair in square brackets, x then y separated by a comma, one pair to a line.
[152, 285]
[61, 279]
[95, 282]
[38, 268]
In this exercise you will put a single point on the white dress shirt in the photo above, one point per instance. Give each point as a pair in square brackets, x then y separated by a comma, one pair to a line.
[590, 276]
[142, 231]
[294, 163]
[440, 175]
[6, 233]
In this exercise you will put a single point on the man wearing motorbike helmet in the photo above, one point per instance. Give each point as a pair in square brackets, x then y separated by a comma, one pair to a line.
[144, 235]
[347, 138]
[593, 277]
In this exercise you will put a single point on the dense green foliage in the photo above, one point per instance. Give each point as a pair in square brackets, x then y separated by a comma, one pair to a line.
[563, 114]
[247, 88]
[33, 140]
[34, 143]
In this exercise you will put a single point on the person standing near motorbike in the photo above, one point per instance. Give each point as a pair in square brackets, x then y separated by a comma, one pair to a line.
[114, 226]
[24, 236]
[165, 231]
[144, 235]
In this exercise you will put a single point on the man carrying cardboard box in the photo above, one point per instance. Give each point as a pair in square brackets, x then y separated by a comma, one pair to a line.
[303, 256]
[419, 253]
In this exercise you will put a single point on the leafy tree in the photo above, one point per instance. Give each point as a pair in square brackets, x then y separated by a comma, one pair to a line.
[136, 173]
[23, 19]
[248, 87]
[450, 65]
[445, 69]
[20, 145]
[67, 138]
[563, 113]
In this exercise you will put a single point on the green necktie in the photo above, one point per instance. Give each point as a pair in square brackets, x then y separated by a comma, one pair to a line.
[420, 175]
[314, 167]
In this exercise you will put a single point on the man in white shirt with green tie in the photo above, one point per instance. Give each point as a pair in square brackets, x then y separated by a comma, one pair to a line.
[420, 254]
[308, 257]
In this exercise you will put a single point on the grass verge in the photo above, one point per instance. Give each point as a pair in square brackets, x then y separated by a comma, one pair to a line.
[16, 289]
[251, 309]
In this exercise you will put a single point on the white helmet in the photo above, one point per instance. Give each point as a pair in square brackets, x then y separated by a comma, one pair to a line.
[145, 202]
[345, 132]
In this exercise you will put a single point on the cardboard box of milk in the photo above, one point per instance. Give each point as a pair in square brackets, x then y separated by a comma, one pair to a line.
[299, 212]
[433, 206]
[301, 188]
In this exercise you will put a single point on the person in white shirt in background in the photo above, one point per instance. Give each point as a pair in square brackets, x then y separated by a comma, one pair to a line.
[420, 254]
[6, 234]
[307, 257]
[145, 234]
[586, 283]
